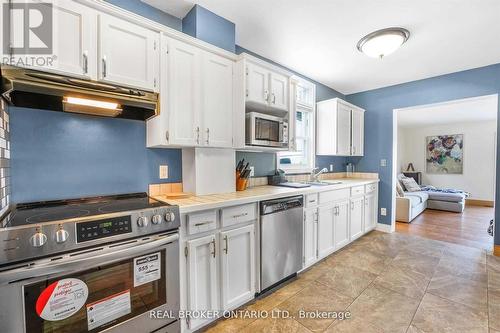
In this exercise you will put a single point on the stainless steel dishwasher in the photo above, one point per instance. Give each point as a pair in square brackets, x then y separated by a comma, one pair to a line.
[280, 240]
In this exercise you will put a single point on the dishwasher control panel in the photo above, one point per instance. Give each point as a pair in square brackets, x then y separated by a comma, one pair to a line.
[278, 205]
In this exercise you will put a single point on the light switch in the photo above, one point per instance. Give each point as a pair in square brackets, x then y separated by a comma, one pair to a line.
[163, 171]
[252, 171]
[331, 167]
[383, 162]
[383, 211]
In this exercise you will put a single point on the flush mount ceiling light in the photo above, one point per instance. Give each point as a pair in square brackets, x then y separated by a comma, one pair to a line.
[383, 42]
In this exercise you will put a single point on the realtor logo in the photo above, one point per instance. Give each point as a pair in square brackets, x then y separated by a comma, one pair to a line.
[28, 27]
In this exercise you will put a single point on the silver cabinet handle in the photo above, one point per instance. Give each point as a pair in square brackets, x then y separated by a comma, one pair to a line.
[85, 58]
[167, 135]
[198, 135]
[213, 242]
[202, 223]
[352, 205]
[227, 247]
[208, 135]
[104, 69]
[354, 150]
[266, 95]
[239, 215]
[274, 98]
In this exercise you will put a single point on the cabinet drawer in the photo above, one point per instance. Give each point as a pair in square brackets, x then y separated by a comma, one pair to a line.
[311, 200]
[357, 190]
[201, 222]
[238, 214]
[333, 195]
[370, 188]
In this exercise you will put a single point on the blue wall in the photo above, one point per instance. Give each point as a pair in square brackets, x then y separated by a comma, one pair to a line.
[209, 27]
[140, 8]
[59, 155]
[380, 103]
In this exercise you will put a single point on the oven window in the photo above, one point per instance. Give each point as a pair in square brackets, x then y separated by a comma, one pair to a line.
[267, 130]
[111, 291]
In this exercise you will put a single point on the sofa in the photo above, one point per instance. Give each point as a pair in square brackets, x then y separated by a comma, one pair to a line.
[411, 204]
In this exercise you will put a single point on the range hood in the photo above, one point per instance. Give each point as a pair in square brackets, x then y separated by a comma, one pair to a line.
[41, 90]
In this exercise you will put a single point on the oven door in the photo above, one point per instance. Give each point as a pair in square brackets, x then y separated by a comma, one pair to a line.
[265, 130]
[112, 288]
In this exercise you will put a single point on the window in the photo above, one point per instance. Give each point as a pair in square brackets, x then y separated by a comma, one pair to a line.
[301, 157]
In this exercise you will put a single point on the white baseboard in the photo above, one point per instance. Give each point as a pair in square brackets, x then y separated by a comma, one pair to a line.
[384, 227]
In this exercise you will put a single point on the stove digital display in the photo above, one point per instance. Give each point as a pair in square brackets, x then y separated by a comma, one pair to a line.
[87, 231]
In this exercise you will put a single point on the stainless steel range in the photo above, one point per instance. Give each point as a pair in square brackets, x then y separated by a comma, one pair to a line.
[89, 265]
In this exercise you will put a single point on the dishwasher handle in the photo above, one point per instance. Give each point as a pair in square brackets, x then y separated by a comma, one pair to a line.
[281, 204]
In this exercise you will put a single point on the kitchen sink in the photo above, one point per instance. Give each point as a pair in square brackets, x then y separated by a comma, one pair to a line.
[323, 183]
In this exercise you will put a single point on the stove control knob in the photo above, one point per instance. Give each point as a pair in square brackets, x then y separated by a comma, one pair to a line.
[61, 235]
[142, 221]
[38, 239]
[169, 216]
[156, 219]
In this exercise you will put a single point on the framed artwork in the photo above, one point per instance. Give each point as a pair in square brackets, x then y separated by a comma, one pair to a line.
[444, 154]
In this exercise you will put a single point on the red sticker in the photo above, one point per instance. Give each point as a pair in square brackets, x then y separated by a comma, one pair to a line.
[61, 299]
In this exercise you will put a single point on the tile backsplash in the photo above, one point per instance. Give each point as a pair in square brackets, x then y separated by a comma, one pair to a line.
[4, 157]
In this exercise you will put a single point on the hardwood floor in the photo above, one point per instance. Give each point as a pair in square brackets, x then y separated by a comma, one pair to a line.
[468, 228]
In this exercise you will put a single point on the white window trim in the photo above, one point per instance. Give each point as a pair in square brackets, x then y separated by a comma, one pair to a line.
[312, 154]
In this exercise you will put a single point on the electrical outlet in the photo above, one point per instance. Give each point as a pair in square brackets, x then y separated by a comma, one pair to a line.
[383, 162]
[163, 171]
[331, 167]
[252, 171]
[383, 211]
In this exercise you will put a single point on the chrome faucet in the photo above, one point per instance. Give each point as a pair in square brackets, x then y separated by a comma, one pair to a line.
[315, 175]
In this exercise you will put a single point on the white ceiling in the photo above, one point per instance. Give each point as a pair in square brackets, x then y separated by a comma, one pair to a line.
[318, 37]
[461, 111]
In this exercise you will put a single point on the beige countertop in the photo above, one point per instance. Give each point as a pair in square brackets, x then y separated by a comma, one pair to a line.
[254, 194]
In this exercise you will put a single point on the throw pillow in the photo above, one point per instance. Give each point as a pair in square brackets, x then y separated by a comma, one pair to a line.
[399, 190]
[411, 185]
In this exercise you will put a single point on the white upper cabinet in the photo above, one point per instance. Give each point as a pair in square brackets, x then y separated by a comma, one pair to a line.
[279, 91]
[128, 53]
[180, 94]
[196, 98]
[340, 128]
[237, 251]
[257, 85]
[217, 107]
[266, 89]
[74, 42]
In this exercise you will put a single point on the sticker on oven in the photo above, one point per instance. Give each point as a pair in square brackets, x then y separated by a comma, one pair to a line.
[147, 269]
[61, 299]
[108, 309]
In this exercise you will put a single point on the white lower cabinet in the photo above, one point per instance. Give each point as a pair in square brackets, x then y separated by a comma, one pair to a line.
[326, 241]
[237, 253]
[371, 211]
[203, 286]
[341, 224]
[357, 217]
[310, 236]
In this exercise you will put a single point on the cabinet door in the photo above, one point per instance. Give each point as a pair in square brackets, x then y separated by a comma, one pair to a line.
[237, 250]
[341, 224]
[326, 243]
[217, 108]
[128, 53]
[357, 217]
[371, 212]
[202, 281]
[279, 91]
[310, 236]
[257, 85]
[343, 130]
[358, 128]
[74, 39]
[183, 93]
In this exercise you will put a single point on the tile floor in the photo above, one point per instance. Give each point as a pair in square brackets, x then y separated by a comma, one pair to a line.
[388, 283]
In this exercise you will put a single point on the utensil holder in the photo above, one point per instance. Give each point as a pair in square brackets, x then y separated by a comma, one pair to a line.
[241, 184]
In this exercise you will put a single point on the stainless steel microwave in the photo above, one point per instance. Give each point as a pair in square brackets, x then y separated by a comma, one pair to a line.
[266, 131]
